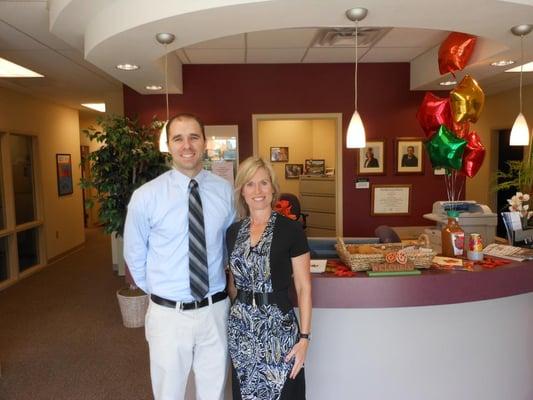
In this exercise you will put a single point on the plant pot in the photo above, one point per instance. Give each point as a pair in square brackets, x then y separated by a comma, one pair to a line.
[133, 305]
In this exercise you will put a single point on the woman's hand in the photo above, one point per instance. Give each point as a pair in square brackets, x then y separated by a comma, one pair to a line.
[298, 352]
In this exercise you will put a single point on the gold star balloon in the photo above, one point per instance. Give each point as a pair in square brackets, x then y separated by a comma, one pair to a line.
[467, 100]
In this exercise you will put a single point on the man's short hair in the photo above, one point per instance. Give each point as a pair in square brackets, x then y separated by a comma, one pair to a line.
[185, 116]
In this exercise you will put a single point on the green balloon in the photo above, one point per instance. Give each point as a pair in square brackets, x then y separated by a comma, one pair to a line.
[445, 149]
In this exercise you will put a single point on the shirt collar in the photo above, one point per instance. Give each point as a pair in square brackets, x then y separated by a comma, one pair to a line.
[183, 180]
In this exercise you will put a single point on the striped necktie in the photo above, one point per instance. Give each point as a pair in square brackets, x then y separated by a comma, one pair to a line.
[199, 278]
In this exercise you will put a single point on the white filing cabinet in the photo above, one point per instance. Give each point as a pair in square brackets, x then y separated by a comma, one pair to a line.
[317, 195]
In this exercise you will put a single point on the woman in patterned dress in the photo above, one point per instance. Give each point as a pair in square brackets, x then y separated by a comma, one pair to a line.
[266, 250]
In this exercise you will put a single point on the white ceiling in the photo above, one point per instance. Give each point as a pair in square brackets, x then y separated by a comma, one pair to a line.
[76, 44]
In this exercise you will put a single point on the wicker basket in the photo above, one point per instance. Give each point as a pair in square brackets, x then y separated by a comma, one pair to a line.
[133, 305]
[363, 262]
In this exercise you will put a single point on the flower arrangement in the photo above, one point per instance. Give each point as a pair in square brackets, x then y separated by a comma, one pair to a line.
[520, 203]
[284, 208]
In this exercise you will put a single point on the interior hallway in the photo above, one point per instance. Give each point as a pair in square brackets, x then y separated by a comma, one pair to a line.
[61, 333]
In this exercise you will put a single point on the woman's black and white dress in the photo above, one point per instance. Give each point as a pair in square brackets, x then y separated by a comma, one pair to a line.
[259, 337]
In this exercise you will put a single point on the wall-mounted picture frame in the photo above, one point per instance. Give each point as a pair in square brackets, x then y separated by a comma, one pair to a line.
[64, 174]
[409, 158]
[279, 154]
[391, 200]
[293, 171]
[371, 159]
[315, 167]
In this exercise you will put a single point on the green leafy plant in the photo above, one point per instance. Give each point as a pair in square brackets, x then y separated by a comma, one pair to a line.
[128, 158]
[519, 176]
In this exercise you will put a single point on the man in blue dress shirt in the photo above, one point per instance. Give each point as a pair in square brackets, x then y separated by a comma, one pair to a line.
[182, 331]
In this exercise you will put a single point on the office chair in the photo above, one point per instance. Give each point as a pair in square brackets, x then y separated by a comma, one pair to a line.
[295, 207]
[386, 234]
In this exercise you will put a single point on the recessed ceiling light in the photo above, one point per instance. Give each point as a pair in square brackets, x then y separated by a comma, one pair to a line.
[526, 68]
[502, 63]
[12, 70]
[127, 67]
[154, 87]
[448, 83]
[95, 106]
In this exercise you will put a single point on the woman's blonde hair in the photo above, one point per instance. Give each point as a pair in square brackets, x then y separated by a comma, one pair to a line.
[246, 171]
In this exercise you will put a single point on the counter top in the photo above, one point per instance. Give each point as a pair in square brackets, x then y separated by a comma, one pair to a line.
[432, 287]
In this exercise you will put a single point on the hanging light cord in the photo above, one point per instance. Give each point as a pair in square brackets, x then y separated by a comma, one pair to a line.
[356, 45]
[521, 67]
[166, 79]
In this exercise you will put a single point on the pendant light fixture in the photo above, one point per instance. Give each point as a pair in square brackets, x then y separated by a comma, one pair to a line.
[520, 130]
[355, 137]
[165, 39]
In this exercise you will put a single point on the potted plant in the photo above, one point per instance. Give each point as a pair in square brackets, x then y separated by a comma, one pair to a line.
[128, 158]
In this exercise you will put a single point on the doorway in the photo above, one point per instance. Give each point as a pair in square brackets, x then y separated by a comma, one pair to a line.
[505, 153]
[288, 140]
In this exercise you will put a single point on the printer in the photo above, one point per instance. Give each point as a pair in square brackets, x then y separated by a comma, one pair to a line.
[473, 218]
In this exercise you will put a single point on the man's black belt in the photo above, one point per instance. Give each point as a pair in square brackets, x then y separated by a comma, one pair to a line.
[193, 305]
[281, 299]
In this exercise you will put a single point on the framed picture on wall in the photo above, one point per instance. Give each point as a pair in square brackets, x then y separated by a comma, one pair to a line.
[409, 158]
[371, 159]
[279, 154]
[64, 174]
[391, 200]
[315, 167]
[293, 171]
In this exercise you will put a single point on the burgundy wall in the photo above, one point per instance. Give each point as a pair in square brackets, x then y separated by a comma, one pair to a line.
[230, 94]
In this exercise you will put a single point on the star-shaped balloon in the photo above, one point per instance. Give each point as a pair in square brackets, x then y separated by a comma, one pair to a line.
[473, 156]
[460, 129]
[434, 112]
[467, 100]
[455, 52]
[445, 149]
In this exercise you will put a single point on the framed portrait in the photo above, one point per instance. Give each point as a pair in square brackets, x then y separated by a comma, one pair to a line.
[371, 159]
[293, 171]
[64, 174]
[409, 158]
[279, 154]
[391, 200]
[315, 167]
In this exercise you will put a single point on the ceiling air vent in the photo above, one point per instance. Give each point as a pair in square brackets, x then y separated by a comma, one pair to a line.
[344, 37]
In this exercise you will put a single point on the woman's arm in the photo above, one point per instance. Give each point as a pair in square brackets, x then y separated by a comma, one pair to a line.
[301, 267]
[230, 286]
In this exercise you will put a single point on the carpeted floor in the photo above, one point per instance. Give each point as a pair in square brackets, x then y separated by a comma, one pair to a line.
[61, 333]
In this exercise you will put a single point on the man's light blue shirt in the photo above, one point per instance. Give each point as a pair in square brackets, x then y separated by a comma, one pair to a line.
[156, 234]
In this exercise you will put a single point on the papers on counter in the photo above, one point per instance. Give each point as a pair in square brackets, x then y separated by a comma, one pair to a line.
[318, 266]
[509, 252]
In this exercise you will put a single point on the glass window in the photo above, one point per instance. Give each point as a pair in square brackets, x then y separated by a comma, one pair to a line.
[23, 182]
[28, 249]
[4, 265]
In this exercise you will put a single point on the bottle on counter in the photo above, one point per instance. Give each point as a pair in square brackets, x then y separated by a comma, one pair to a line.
[453, 236]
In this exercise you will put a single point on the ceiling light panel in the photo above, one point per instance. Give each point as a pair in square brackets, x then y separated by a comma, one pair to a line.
[526, 68]
[502, 63]
[9, 69]
[127, 67]
[95, 106]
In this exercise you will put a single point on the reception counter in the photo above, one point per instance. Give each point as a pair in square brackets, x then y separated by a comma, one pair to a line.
[439, 335]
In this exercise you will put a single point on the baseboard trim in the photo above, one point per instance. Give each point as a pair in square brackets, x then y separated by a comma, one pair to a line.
[67, 253]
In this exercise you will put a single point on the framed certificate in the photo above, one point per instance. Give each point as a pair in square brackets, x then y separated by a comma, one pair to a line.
[391, 200]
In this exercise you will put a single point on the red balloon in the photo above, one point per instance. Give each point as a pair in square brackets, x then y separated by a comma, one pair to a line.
[473, 156]
[455, 52]
[460, 129]
[434, 112]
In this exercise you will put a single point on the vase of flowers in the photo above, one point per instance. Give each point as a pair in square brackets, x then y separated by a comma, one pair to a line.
[520, 203]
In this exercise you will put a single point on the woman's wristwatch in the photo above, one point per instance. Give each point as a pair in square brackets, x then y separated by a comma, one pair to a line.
[305, 336]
